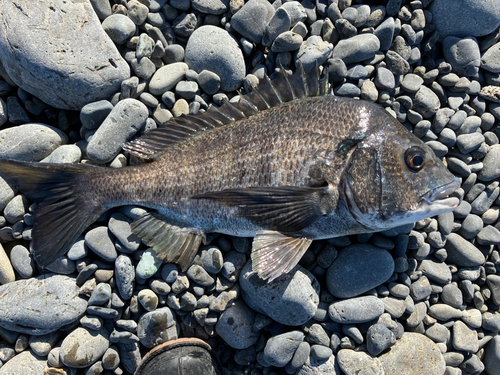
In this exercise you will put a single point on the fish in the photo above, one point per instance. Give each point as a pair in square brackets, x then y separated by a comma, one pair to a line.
[287, 164]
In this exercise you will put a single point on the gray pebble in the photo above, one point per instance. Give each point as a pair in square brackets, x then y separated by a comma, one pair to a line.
[199, 275]
[78, 250]
[444, 312]
[426, 102]
[471, 226]
[469, 142]
[279, 23]
[279, 349]
[489, 235]
[22, 262]
[100, 242]
[119, 225]
[286, 42]
[320, 352]
[214, 49]
[347, 89]
[301, 355]
[491, 357]
[347, 276]
[336, 69]
[251, 20]
[174, 53]
[30, 142]
[64, 154]
[42, 345]
[491, 162]
[379, 338]
[186, 89]
[235, 326]
[437, 333]
[101, 295]
[385, 32]
[462, 253]
[209, 81]
[30, 363]
[313, 50]
[124, 276]
[143, 68]
[292, 299]
[384, 79]
[356, 310]
[464, 338]
[452, 296]
[412, 83]
[93, 114]
[119, 28]
[212, 260]
[169, 273]
[463, 54]
[126, 118]
[490, 59]
[493, 282]
[156, 327]
[358, 362]
[357, 49]
[210, 6]
[137, 12]
[81, 348]
[15, 210]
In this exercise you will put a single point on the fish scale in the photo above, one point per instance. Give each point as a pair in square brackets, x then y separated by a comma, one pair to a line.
[286, 164]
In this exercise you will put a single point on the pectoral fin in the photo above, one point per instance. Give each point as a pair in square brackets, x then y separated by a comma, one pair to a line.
[274, 254]
[286, 209]
[171, 243]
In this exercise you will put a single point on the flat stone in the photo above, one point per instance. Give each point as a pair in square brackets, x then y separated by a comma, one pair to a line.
[251, 20]
[462, 253]
[214, 49]
[280, 348]
[235, 326]
[157, 327]
[357, 269]
[119, 225]
[82, 67]
[356, 49]
[356, 310]
[30, 363]
[82, 347]
[126, 118]
[477, 18]
[292, 299]
[40, 305]
[413, 354]
[30, 142]
[99, 241]
[167, 77]
[319, 367]
[464, 338]
[357, 362]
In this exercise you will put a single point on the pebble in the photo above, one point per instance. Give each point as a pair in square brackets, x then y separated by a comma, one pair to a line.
[489, 60]
[356, 362]
[209, 81]
[292, 299]
[463, 54]
[21, 261]
[30, 142]
[119, 225]
[42, 345]
[157, 327]
[464, 338]
[59, 292]
[167, 77]
[251, 20]
[493, 282]
[119, 27]
[100, 242]
[462, 253]
[279, 349]
[125, 119]
[348, 277]
[6, 271]
[124, 276]
[491, 162]
[100, 295]
[214, 49]
[148, 265]
[413, 354]
[137, 12]
[379, 338]
[491, 357]
[64, 154]
[212, 260]
[385, 33]
[30, 363]
[235, 326]
[444, 312]
[356, 310]
[81, 348]
[356, 49]
[426, 102]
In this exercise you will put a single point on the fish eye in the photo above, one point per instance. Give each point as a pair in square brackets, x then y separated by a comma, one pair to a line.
[414, 158]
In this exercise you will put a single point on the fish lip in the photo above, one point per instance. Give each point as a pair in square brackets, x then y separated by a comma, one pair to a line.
[440, 194]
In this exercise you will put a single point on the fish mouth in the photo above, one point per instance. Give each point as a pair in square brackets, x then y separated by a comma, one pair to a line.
[438, 198]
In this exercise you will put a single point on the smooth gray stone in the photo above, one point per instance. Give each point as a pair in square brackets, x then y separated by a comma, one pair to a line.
[413, 354]
[39, 61]
[124, 276]
[30, 363]
[43, 344]
[348, 277]
[157, 327]
[491, 165]
[30, 142]
[463, 54]
[491, 358]
[22, 262]
[356, 49]
[212, 48]
[279, 349]
[64, 154]
[426, 102]
[100, 295]
[100, 242]
[316, 366]
[490, 59]
[452, 296]
[119, 225]
[7, 193]
[137, 12]
[54, 298]
[15, 210]
[126, 118]
[385, 32]
[279, 23]
[358, 362]
[251, 20]
[444, 312]
[379, 338]
[82, 347]
[356, 310]
[210, 6]
[477, 18]
[62, 266]
[464, 338]
[292, 299]
[489, 235]
[235, 326]
[493, 282]
[119, 28]
[462, 253]
[212, 260]
[437, 333]
[130, 356]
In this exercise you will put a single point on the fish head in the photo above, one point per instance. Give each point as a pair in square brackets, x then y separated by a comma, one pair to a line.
[393, 178]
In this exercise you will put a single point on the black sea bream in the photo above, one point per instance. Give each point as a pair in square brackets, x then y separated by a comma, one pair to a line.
[287, 164]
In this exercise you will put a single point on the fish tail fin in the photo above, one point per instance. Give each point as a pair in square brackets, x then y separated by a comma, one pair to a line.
[64, 207]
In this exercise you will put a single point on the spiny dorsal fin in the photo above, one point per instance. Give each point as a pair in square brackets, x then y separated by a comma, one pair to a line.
[268, 94]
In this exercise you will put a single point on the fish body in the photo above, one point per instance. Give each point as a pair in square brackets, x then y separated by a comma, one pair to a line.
[286, 165]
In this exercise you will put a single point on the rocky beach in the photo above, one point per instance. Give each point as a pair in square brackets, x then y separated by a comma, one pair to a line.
[80, 78]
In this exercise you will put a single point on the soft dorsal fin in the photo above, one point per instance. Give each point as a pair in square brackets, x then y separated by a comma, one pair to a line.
[269, 93]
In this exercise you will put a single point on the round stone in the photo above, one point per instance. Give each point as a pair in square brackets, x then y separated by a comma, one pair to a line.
[99, 241]
[413, 354]
[212, 48]
[119, 27]
[357, 269]
[157, 327]
[235, 326]
[82, 347]
[356, 310]
[21, 260]
[292, 299]
[462, 253]
[279, 349]
[251, 20]
[356, 49]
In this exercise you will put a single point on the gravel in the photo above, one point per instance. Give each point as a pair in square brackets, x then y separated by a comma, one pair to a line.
[422, 298]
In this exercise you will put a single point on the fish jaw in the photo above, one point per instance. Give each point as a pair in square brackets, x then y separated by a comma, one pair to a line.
[437, 201]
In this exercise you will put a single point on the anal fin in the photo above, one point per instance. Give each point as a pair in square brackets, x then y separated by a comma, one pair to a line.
[171, 243]
[274, 253]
